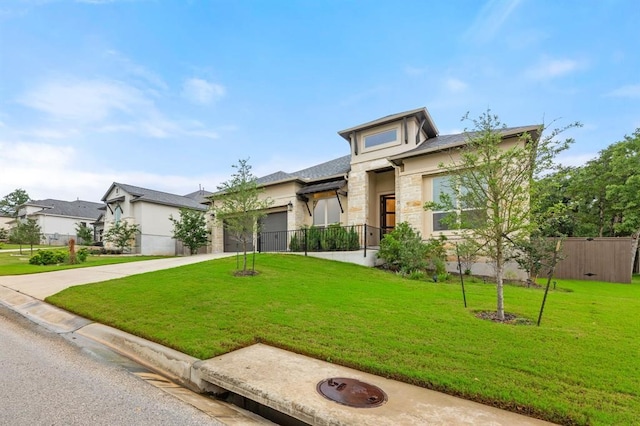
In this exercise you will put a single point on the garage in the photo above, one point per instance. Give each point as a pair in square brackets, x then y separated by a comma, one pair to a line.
[273, 235]
[232, 245]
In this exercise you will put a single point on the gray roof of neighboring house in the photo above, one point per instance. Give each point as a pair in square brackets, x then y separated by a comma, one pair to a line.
[443, 142]
[157, 197]
[199, 195]
[78, 208]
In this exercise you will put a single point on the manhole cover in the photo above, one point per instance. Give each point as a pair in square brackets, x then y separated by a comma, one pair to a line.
[352, 392]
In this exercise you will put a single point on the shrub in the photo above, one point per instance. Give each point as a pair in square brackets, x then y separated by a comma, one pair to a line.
[55, 257]
[82, 254]
[49, 257]
[403, 250]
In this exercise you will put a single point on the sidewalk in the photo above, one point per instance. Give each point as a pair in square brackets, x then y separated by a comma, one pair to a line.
[281, 380]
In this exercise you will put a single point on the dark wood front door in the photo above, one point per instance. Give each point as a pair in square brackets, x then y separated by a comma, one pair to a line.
[387, 213]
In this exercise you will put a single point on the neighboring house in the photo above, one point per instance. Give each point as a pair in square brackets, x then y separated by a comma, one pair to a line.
[59, 219]
[150, 210]
[390, 172]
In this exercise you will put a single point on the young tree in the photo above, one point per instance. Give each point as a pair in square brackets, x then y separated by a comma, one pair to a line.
[240, 207]
[27, 232]
[10, 202]
[84, 233]
[121, 234]
[491, 185]
[191, 229]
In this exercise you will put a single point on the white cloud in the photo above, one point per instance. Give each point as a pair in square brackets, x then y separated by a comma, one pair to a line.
[48, 171]
[549, 68]
[629, 91]
[201, 91]
[137, 70]
[455, 85]
[490, 20]
[85, 100]
[107, 106]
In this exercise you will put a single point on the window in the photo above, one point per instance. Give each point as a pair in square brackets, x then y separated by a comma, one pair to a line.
[326, 212]
[382, 138]
[118, 213]
[442, 186]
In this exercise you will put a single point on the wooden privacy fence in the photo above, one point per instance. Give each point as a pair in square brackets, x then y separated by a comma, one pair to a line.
[596, 259]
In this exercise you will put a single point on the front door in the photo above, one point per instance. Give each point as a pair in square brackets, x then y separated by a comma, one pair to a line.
[387, 213]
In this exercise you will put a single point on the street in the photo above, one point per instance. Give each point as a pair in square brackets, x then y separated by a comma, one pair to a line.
[46, 380]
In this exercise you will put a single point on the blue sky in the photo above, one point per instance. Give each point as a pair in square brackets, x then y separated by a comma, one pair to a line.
[169, 94]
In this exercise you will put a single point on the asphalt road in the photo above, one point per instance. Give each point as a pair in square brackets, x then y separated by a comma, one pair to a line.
[46, 381]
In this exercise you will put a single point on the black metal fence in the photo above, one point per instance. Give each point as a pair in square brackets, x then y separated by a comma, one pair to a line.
[314, 239]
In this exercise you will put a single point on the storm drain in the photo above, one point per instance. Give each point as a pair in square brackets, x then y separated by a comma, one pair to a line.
[352, 392]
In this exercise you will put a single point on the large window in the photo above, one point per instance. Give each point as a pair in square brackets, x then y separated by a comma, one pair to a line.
[326, 211]
[466, 215]
[382, 138]
[118, 213]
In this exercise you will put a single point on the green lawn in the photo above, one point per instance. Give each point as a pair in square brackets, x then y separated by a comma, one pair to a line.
[13, 263]
[580, 367]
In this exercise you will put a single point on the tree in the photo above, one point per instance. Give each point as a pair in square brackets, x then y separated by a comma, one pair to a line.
[191, 229]
[490, 189]
[121, 234]
[10, 202]
[26, 232]
[84, 233]
[599, 199]
[240, 207]
[623, 192]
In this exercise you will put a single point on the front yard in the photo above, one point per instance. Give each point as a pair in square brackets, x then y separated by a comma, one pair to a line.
[14, 263]
[580, 367]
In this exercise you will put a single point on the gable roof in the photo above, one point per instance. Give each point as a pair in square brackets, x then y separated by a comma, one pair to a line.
[156, 197]
[421, 114]
[77, 209]
[444, 142]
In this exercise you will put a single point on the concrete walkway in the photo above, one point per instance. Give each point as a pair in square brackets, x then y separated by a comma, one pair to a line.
[281, 380]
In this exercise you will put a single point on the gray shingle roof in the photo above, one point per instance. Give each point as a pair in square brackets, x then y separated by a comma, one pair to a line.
[157, 197]
[442, 142]
[338, 166]
[78, 208]
[199, 195]
[332, 168]
[274, 177]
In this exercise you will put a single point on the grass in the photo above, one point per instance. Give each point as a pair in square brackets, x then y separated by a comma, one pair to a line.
[13, 263]
[580, 367]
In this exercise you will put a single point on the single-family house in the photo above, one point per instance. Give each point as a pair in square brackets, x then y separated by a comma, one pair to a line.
[390, 171]
[150, 210]
[59, 219]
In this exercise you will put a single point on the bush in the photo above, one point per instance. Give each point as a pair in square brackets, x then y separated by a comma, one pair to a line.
[55, 257]
[332, 238]
[403, 250]
[82, 254]
[49, 257]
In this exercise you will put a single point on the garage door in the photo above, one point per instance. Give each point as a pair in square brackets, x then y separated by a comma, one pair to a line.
[273, 235]
[232, 245]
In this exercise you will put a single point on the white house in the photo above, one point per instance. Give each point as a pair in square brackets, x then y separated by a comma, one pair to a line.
[59, 219]
[151, 210]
